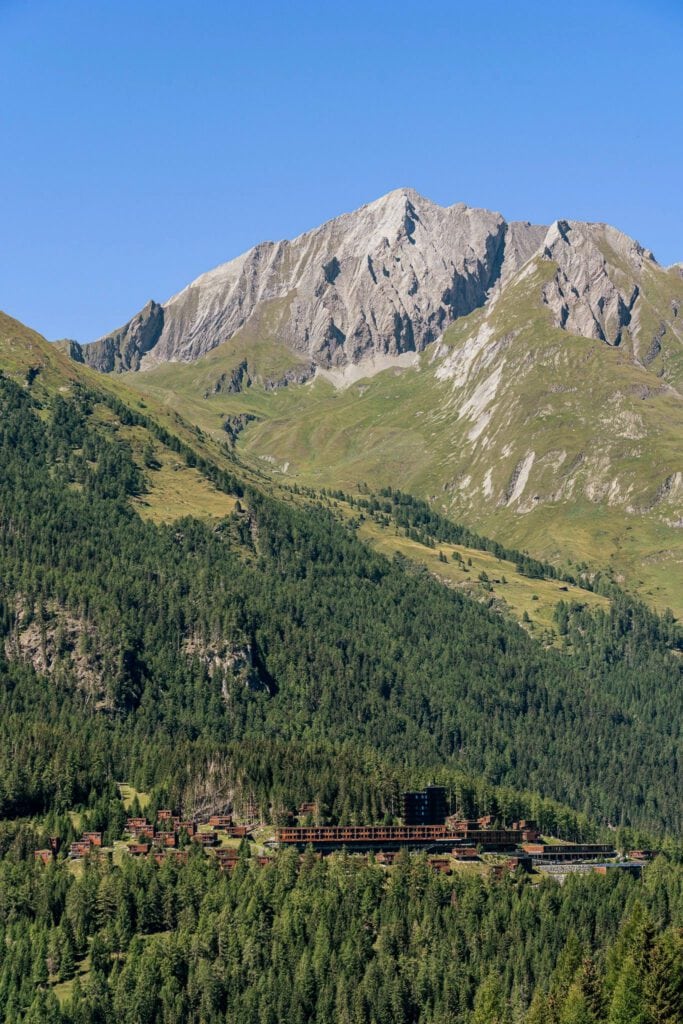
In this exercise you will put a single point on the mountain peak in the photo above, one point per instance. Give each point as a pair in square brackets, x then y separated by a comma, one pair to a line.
[385, 279]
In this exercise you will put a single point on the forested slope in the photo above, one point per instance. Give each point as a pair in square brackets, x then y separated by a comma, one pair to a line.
[267, 657]
[152, 646]
[337, 941]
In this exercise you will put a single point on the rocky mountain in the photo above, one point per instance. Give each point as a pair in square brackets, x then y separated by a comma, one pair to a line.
[386, 279]
[525, 380]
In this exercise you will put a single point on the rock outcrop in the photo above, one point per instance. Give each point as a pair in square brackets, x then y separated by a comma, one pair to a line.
[591, 294]
[125, 348]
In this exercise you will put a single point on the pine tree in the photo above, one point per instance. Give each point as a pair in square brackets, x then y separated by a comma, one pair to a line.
[489, 1004]
[592, 986]
[628, 1001]
[40, 974]
[575, 1009]
[67, 953]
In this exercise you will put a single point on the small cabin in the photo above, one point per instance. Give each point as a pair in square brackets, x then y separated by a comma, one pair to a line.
[143, 832]
[179, 856]
[520, 861]
[227, 858]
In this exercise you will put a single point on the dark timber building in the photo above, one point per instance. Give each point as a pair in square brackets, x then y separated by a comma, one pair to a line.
[426, 807]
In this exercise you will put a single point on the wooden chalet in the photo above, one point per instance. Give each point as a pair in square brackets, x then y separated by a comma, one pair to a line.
[134, 823]
[81, 848]
[220, 820]
[227, 858]
[164, 839]
[177, 856]
[204, 838]
[143, 832]
[235, 831]
[519, 861]
[138, 849]
[465, 853]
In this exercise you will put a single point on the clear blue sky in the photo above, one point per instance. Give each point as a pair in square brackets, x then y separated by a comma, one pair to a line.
[144, 142]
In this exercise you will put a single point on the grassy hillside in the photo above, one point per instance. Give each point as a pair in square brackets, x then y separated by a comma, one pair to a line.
[553, 443]
[531, 602]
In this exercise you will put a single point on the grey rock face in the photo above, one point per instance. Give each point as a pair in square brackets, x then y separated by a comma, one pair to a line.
[388, 278]
[590, 295]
